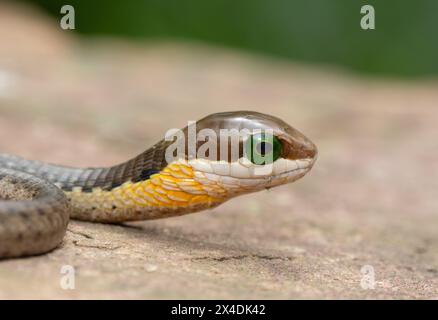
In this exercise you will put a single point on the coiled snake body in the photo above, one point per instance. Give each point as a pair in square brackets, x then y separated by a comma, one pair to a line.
[37, 199]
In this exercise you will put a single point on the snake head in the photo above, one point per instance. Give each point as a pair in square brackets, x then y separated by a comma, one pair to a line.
[261, 152]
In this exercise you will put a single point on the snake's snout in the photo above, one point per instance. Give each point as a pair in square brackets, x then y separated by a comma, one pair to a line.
[307, 150]
[298, 146]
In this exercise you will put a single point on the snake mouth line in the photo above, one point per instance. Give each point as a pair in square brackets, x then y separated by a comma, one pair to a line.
[295, 173]
[254, 182]
[304, 169]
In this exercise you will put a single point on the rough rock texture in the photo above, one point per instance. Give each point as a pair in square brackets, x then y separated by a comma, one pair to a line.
[370, 200]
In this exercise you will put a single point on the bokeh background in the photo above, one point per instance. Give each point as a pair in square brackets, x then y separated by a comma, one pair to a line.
[131, 70]
[317, 31]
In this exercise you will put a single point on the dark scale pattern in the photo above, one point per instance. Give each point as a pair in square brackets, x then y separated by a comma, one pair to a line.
[137, 169]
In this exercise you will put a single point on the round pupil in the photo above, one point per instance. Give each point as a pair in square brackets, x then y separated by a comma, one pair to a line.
[264, 148]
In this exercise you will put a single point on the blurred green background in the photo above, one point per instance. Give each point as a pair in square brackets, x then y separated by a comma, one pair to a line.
[404, 43]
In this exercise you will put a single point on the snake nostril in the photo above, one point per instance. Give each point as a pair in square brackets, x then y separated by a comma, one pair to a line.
[310, 152]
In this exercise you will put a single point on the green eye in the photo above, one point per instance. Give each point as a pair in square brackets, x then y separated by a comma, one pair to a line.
[263, 148]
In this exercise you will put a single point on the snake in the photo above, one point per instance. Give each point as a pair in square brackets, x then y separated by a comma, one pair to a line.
[37, 199]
